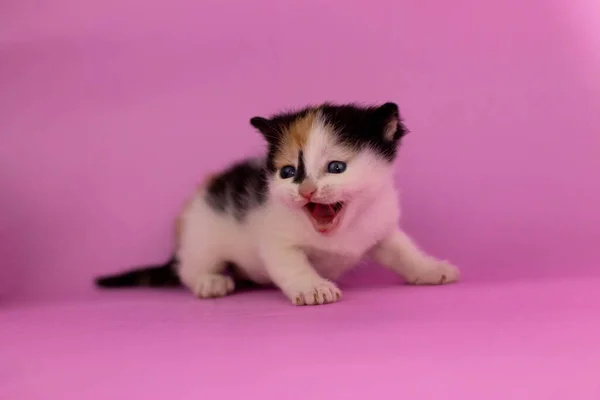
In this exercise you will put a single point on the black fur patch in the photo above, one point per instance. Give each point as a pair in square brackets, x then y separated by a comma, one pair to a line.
[238, 189]
[301, 170]
[162, 275]
[364, 127]
[165, 276]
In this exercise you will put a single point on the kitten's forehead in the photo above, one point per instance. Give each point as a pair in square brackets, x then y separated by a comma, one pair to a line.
[331, 131]
[298, 131]
[310, 140]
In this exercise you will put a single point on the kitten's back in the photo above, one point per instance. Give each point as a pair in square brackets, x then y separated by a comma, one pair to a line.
[238, 189]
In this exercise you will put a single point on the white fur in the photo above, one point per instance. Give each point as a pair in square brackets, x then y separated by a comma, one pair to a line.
[277, 243]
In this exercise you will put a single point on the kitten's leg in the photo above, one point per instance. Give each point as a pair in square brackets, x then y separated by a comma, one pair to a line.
[291, 271]
[398, 252]
[203, 275]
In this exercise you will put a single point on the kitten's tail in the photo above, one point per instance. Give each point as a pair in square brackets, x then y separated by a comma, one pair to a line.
[161, 275]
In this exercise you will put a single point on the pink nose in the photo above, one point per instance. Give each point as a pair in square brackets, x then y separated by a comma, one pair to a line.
[306, 195]
[307, 189]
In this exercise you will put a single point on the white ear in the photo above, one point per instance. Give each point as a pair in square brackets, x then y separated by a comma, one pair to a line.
[390, 129]
[388, 115]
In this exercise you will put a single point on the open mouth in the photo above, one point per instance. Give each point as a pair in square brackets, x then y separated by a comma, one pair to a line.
[324, 217]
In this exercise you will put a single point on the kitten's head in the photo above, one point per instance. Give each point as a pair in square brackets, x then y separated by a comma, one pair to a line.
[329, 161]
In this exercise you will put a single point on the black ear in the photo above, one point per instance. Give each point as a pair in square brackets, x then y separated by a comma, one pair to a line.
[388, 116]
[259, 122]
[266, 127]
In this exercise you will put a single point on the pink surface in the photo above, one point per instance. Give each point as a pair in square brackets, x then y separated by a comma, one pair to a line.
[111, 111]
[518, 341]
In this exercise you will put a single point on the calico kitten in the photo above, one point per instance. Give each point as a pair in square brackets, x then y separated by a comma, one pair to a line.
[321, 200]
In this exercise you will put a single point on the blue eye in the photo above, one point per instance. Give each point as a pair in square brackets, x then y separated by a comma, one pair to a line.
[336, 167]
[287, 172]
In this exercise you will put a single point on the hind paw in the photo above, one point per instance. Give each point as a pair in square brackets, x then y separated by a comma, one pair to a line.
[213, 285]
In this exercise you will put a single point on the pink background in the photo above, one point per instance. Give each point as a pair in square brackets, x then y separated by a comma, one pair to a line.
[112, 110]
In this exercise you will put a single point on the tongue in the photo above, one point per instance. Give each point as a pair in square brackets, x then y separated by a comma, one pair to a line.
[323, 212]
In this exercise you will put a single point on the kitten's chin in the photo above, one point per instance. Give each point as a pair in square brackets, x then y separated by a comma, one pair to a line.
[325, 218]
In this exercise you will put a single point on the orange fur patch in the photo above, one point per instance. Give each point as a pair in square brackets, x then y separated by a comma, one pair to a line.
[298, 132]
[294, 139]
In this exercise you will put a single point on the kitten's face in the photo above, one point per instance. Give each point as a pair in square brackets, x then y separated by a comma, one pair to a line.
[327, 162]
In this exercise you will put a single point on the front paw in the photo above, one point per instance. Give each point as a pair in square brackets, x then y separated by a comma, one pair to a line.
[433, 272]
[314, 293]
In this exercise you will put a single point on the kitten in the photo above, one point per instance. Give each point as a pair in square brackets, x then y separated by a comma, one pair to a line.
[321, 200]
